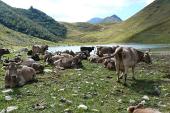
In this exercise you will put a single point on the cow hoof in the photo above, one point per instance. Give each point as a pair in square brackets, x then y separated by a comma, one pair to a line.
[133, 78]
[121, 77]
[125, 84]
[118, 81]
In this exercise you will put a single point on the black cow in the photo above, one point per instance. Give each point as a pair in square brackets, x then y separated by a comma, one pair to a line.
[3, 51]
[89, 49]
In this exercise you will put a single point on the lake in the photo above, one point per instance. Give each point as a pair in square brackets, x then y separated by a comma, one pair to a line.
[134, 45]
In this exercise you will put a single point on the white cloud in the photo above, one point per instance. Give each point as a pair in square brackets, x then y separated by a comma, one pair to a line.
[149, 1]
[75, 10]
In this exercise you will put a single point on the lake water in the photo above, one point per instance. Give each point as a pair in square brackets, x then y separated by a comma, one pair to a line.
[137, 46]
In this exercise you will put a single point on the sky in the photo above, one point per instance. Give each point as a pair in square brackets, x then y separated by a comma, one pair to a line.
[83, 10]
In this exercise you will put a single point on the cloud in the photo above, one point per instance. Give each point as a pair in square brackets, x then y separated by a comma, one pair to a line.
[149, 1]
[76, 10]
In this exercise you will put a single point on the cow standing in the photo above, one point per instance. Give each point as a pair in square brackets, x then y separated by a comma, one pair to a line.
[127, 57]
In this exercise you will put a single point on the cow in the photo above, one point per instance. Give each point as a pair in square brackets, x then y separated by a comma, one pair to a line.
[39, 68]
[69, 52]
[74, 62]
[4, 51]
[39, 49]
[35, 57]
[110, 64]
[101, 50]
[29, 53]
[89, 49]
[128, 57]
[84, 54]
[93, 58]
[18, 76]
[140, 109]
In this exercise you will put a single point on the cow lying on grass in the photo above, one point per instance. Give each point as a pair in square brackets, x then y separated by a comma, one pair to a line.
[127, 57]
[17, 75]
[140, 109]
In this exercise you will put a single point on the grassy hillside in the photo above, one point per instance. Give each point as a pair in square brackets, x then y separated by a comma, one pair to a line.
[10, 38]
[150, 25]
[32, 22]
[62, 91]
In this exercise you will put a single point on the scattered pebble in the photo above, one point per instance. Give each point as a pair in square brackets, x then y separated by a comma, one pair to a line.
[143, 102]
[95, 110]
[132, 101]
[61, 89]
[119, 101]
[145, 97]
[79, 69]
[8, 98]
[7, 91]
[67, 110]
[9, 109]
[161, 105]
[81, 106]
[48, 70]
[39, 106]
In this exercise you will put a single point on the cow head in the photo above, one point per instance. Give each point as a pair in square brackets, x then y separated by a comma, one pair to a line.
[35, 57]
[147, 58]
[76, 62]
[11, 74]
[6, 51]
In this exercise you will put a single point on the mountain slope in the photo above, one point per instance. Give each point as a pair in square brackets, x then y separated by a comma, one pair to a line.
[150, 25]
[10, 38]
[111, 19]
[31, 22]
[95, 20]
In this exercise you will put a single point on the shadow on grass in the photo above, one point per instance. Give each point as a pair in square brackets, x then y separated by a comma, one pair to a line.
[145, 87]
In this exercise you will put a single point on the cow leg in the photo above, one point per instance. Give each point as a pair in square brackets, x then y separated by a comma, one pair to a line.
[118, 73]
[125, 75]
[133, 73]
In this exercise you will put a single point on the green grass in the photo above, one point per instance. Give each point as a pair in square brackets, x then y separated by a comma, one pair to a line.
[95, 87]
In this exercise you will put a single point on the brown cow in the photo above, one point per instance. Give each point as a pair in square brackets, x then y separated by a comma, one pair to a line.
[39, 49]
[140, 109]
[16, 76]
[127, 57]
[101, 50]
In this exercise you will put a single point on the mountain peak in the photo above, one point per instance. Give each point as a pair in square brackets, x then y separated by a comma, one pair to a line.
[110, 19]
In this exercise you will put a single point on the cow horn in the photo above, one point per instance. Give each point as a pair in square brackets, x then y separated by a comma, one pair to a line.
[18, 63]
[5, 64]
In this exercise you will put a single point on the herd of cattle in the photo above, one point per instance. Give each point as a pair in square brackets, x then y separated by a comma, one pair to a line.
[19, 71]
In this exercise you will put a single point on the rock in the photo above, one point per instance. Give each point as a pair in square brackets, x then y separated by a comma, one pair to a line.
[48, 70]
[143, 102]
[8, 98]
[145, 97]
[9, 109]
[39, 106]
[132, 101]
[119, 101]
[156, 91]
[95, 110]
[161, 105]
[81, 106]
[61, 89]
[67, 110]
[63, 100]
[7, 91]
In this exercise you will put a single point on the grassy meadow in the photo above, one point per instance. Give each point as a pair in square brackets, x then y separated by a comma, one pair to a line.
[62, 91]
